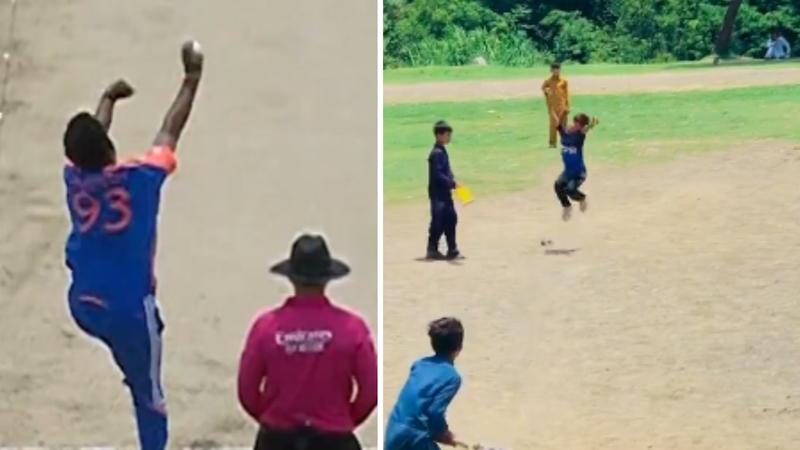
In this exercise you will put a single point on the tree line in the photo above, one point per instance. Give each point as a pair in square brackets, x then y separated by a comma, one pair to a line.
[532, 32]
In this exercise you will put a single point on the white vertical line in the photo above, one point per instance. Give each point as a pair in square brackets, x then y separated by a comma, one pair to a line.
[379, 122]
[6, 79]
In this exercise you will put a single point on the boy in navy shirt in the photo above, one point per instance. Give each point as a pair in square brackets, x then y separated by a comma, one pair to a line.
[441, 182]
[574, 174]
[418, 419]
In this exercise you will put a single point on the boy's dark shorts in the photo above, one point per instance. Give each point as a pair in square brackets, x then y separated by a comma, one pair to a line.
[571, 181]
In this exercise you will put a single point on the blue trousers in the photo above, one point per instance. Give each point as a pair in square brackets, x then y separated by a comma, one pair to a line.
[134, 339]
[567, 187]
[403, 437]
[443, 222]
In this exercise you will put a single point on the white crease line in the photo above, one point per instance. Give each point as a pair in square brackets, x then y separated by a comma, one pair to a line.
[6, 79]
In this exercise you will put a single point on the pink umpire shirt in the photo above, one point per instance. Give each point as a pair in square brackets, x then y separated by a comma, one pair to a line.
[302, 363]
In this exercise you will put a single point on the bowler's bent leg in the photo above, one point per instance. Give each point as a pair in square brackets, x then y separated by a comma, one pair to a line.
[561, 186]
[572, 189]
[136, 346]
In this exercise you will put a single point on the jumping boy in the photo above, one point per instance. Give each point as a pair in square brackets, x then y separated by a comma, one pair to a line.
[111, 247]
[418, 419]
[574, 174]
[556, 94]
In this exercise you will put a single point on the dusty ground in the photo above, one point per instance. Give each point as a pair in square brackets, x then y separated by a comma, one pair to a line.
[669, 319]
[282, 139]
[684, 80]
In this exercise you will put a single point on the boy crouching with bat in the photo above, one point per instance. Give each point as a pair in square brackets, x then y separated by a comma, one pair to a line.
[418, 419]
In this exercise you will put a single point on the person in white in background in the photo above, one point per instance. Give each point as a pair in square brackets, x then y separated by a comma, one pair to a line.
[778, 47]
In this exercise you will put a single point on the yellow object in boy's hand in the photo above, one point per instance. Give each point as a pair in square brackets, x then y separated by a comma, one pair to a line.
[464, 194]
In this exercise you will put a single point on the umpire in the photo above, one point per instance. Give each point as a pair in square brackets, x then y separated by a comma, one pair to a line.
[440, 184]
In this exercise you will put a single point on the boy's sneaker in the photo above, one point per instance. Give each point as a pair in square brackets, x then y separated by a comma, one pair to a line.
[434, 255]
[584, 205]
[566, 214]
[453, 255]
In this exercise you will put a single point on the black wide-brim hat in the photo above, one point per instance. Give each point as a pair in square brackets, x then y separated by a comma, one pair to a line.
[311, 262]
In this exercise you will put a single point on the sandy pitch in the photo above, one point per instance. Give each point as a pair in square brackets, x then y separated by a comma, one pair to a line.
[282, 139]
[670, 323]
[664, 318]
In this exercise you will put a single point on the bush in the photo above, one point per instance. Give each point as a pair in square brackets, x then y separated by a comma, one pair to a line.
[571, 37]
[516, 50]
[531, 32]
[439, 32]
[458, 47]
[753, 28]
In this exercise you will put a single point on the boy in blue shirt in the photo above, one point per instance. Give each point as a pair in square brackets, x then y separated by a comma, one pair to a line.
[574, 174]
[418, 419]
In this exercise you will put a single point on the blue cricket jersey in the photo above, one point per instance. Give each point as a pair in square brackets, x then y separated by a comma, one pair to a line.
[418, 416]
[110, 249]
[572, 151]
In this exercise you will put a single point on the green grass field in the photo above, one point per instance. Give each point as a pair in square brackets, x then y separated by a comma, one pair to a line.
[467, 73]
[501, 145]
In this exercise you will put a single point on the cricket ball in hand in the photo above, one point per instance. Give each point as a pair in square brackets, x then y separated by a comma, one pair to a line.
[192, 55]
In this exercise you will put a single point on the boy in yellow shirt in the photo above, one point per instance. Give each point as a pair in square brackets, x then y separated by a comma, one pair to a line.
[556, 94]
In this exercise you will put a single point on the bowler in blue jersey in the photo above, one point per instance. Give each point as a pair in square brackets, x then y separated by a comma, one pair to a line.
[113, 207]
[418, 421]
[574, 174]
